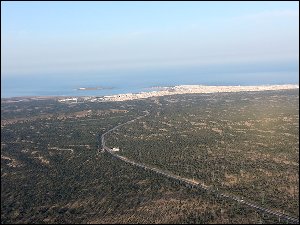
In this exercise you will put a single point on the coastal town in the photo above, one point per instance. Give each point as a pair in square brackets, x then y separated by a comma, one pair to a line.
[181, 89]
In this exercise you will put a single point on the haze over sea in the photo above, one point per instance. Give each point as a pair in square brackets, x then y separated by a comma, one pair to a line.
[54, 48]
[141, 80]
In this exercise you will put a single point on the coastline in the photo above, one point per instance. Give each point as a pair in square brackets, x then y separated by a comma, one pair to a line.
[160, 91]
[196, 89]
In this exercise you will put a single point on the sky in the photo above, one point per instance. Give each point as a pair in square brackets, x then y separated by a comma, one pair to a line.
[65, 37]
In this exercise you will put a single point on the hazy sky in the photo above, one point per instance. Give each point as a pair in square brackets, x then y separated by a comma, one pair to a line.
[57, 37]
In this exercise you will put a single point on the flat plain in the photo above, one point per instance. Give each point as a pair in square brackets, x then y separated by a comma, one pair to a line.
[246, 144]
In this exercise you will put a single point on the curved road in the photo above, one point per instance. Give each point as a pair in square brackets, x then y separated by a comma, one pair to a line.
[188, 182]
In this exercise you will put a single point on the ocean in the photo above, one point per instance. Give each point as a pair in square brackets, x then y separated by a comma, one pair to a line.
[136, 81]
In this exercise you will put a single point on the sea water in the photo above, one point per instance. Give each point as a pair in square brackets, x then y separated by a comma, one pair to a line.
[139, 81]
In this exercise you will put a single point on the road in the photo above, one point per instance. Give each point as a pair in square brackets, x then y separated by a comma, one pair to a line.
[189, 182]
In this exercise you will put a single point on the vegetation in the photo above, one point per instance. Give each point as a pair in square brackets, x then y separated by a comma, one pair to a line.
[53, 172]
[246, 144]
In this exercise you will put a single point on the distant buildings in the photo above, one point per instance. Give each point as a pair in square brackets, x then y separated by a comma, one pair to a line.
[68, 100]
[182, 89]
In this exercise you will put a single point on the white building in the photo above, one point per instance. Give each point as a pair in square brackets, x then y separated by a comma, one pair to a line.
[68, 100]
[115, 149]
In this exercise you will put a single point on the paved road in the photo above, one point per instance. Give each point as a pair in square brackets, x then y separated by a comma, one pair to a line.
[191, 183]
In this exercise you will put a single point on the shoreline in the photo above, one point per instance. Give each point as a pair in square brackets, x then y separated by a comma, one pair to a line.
[162, 91]
[197, 89]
